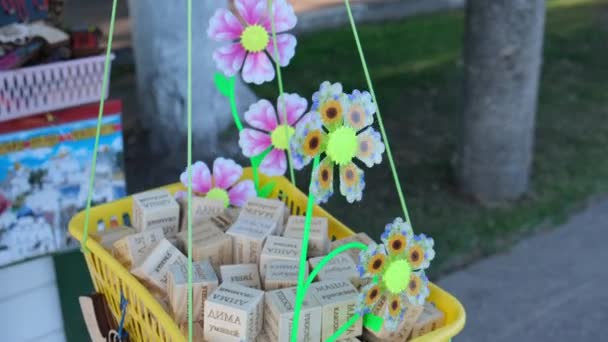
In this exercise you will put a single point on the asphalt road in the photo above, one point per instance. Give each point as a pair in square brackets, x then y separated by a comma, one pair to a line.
[551, 287]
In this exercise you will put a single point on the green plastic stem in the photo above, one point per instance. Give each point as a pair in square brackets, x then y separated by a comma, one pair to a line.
[327, 258]
[344, 328]
[301, 290]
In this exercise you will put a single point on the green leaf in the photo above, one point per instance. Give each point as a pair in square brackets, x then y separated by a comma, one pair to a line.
[266, 190]
[224, 84]
[257, 160]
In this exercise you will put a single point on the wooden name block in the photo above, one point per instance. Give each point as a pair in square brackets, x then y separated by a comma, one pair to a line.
[234, 313]
[132, 249]
[202, 209]
[248, 236]
[339, 299]
[279, 308]
[353, 253]
[340, 267]
[431, 319]
[286, 216]
[162, 300]
[233, 213]
[403, 330]
[318, 243]
[107, 237]
[265, 209]
[204, 281]
[279, 248]
[156, 209]
[282, 274]
[197, 331]
[242, 274]
[207, 229]
[208, 243]
[154, 269]
[263, 337]
[222, 221]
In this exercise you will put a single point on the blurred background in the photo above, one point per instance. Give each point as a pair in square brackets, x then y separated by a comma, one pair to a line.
[496, 113]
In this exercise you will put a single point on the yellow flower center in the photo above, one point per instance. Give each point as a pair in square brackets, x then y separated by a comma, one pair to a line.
[255, 38]
[397, 276]
[342, 145]
[219, 194]
[281, 135]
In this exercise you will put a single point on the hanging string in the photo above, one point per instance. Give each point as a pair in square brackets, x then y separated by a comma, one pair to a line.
[104, 86]
[189, 162]
[280, 82]
[380, 121]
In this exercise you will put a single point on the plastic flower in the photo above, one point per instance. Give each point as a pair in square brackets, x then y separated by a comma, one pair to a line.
[223, 184]
[250, 39]
[398, 264]
[338, 126]
[267, 131]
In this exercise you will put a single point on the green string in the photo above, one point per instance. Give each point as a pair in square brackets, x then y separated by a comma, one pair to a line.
[226, 87]
[189, 162]
[380, 122]
[104, 85]
[280, 82]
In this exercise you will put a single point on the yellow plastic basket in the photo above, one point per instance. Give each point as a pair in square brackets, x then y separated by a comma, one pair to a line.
[146, 319]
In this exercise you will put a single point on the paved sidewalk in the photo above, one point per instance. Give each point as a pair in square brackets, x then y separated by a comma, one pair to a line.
[552, 287]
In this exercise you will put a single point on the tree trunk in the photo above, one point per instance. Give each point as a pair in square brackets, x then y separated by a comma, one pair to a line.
[503, 54]
[160, 46]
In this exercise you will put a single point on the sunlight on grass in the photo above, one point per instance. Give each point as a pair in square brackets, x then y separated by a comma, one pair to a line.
[418, 66]
[569, 3]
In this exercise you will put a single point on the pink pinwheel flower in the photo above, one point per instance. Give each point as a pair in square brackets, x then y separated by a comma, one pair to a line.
[223, 184]
[267, 132]
[250, 38]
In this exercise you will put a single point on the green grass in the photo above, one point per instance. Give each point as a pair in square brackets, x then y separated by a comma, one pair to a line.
[417, 71]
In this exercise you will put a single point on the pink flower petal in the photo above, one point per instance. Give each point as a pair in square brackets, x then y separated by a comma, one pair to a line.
[252, 11]
[229, 59]
[274, 164]
[253, 142]
[261, 115]
[201, 178]
[226, 172]
[284, 17]
[294, 105]
[224, 26]
[286, 44]
[258, 68]
[241, 193]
